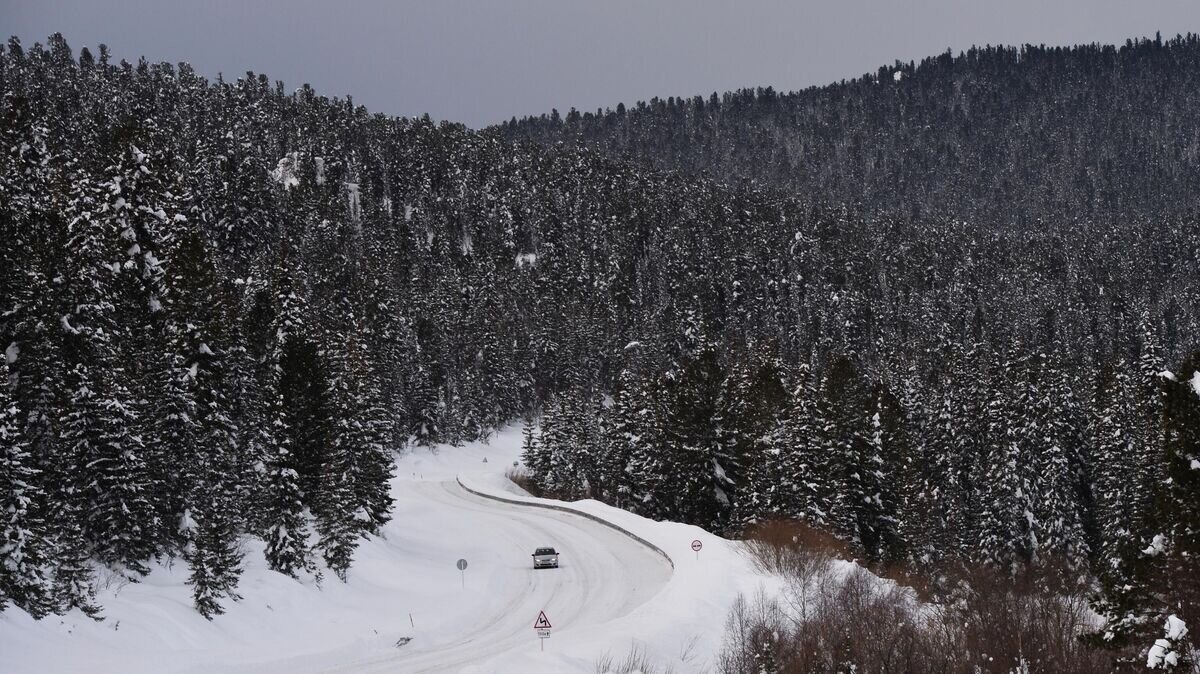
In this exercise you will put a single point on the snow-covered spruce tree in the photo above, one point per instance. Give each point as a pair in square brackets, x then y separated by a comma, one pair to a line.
[645, 472]
[308, 412]
[1060, 466]
[201, 422]
[449, 412]
[358, 403]
[376, 460]
[753, 399]
[953, 446]
[529, 438]
[1004, 506]
[628, 434]
[556, 448]
[423, 343]
[1176, 560]
[596, 409]
[536, 453]
[176, 442]
[353, 497]
[212, 551]
[182, 376]
[114, 489]
[846, 492]
[144, 196]
[422, 399]
[33, 230]
[23, 531]
[143, 199]
[917, 476]
[576, 465]
[876, 451]
[244, 222]
[340, 517]
[284, 514]
[252, 435]
[793, 467]
[46, 559]
[390, 332]
[1130, 486]
[282, 502]
[486, 355]
[740, 428]
[99, 423]
[73, 579]
[895, 512]
[1148, 394]
[1124, 599]
[695, 484]
[181, 441]
[759, 492]
[1147, 466]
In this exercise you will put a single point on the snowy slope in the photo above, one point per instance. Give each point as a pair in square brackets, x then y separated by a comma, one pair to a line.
[611, 594]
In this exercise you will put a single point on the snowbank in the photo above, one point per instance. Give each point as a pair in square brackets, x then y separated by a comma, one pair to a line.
[684, 625]
[404, 585]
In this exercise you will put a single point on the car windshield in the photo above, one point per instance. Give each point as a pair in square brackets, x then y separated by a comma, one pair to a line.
[544, 551]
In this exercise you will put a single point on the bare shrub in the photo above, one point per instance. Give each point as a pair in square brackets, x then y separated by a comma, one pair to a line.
[634, 662]
[858, 621]
[988, 623]
[1001, 622]
[752, 634]
[927, 587]
[792, 548]
[522, 479]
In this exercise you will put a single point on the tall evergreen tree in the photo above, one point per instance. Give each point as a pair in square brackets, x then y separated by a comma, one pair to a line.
[1124, 600]
[1006, 526]
[695, 484]
[285, 514]
[753, 398]
[1176, 549]
[212, 552]
[629, 435]
[1061, 464]
[24, 538]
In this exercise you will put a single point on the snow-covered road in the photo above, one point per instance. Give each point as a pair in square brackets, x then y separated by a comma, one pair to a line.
[406, 608]
[603, 575]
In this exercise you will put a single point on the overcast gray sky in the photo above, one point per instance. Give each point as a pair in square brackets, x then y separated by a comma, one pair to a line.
[482, 61]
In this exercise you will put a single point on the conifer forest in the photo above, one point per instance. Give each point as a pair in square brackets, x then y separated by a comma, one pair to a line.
[945, 312]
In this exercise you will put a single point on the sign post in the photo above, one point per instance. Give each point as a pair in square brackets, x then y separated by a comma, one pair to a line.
[462, 569]
[542, 626]
[696, 545]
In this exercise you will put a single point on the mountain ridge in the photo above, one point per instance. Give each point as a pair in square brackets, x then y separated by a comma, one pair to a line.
[1006, 134]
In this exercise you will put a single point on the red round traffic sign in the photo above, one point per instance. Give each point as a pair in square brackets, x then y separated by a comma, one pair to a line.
[696, 545]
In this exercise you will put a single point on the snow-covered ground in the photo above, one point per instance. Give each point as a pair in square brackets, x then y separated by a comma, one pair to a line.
[612, 593]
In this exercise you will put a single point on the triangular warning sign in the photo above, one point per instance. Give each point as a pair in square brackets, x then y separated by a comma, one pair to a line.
[542, 623]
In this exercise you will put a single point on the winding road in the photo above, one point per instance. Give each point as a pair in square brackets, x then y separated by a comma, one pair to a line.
[405, 606]
[604, 575]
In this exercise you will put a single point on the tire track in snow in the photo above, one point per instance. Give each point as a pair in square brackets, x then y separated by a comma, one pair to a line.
[606, 574]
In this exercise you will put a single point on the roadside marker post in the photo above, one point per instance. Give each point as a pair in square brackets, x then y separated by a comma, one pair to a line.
[542, 626]
[696, 545]
[462, 569]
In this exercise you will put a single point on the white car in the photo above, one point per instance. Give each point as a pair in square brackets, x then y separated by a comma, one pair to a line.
[545, 558]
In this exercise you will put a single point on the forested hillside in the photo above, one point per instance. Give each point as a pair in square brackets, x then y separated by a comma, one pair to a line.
[1027, 135]
[972, 378]
[223, 305]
